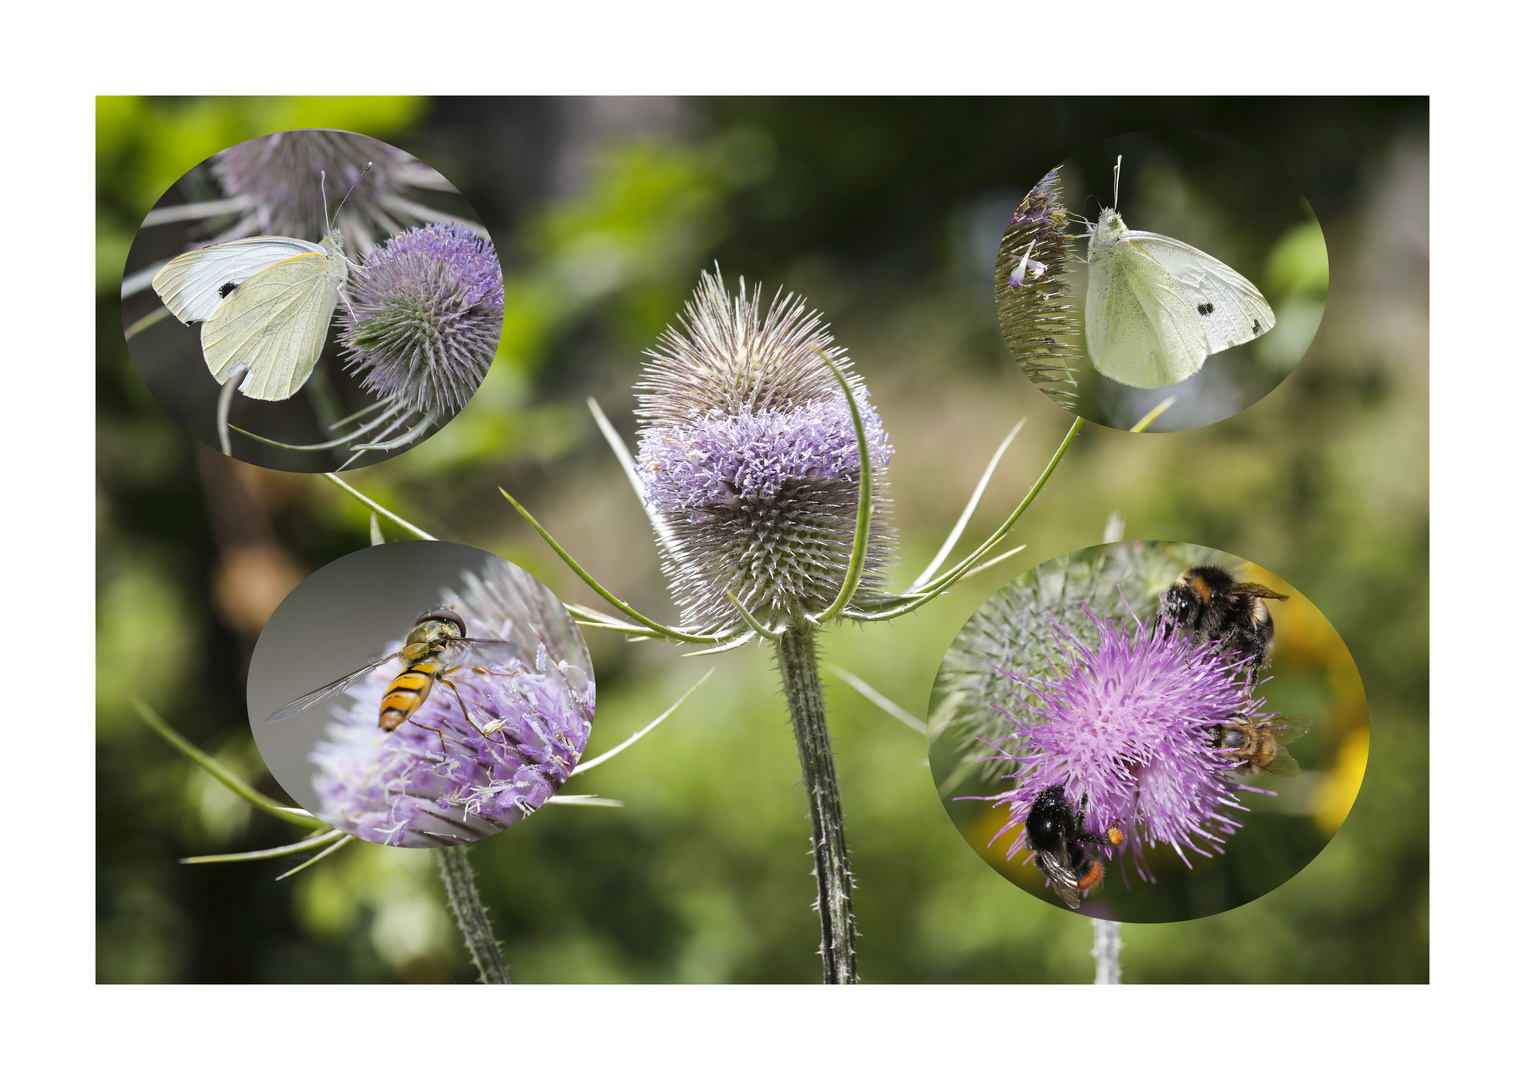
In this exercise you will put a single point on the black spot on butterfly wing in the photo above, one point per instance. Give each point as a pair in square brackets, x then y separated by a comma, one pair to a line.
[1255, 328]
[223, 290]
[1204, 309]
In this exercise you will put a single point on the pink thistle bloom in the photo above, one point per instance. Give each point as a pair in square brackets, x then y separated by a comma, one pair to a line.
[1125, 724]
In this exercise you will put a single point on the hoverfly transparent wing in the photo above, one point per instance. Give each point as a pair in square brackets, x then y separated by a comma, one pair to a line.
[486, 653]
[333, 689]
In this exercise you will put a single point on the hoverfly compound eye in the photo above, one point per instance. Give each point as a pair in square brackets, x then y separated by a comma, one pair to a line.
[446, 616]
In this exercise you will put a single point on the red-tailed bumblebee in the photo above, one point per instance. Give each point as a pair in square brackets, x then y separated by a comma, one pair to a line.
[1207, 603]
[1056, 831]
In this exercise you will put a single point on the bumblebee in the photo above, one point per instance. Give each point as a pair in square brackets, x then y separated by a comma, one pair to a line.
[1261, 746]
[1055, 831]
[1207, 603]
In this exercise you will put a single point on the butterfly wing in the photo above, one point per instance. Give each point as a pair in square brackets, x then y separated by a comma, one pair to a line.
[275, 324]
[1231, 310]
[1141, 329]
[193, 285]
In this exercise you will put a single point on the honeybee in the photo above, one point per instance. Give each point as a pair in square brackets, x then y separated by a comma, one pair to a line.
[437, 647]
[1055, 831]
[1207, 603]
[1261, 746]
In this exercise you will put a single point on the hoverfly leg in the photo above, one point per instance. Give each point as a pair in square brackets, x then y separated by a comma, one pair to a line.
[482, 669]
[437, 731]
[460, 700]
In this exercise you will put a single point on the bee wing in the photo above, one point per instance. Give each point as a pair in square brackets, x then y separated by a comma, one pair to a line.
[1063, 878]
[1284, 764]
[1288, 729]
[322, 694]
[1254, 588]
[485, 652]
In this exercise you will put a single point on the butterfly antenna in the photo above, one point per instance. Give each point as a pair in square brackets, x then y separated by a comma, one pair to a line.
[1117, 172]
[348, 193]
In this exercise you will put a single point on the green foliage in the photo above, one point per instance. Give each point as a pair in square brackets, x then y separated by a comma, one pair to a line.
[704, 874]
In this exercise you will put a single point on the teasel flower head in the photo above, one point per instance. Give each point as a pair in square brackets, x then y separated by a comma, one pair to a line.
[749, 459]
[1125, 723]
[424, 315]
[468, 767]
[1032, 294]
[276, 178]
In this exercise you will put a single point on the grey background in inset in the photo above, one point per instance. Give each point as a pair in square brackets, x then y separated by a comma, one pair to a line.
[345, 615]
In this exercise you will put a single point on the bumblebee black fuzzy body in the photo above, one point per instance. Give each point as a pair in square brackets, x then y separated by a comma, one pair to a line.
[1207, 603]
[1055, 830]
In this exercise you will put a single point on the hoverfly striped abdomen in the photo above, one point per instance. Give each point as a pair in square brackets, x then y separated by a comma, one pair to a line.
[430, 637]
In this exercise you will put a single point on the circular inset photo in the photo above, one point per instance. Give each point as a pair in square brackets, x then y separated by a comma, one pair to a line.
[421, 694]
[1148, 732]
[1161, 280]
[312, 301]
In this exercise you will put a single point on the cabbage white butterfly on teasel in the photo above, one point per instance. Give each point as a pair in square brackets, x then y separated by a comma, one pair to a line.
[264, 305]
[1157, 308]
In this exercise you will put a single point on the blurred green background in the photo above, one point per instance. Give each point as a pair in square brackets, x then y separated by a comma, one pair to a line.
[885, 214]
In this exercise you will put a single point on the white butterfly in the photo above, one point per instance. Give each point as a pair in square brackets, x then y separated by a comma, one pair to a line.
[263, 303]
[1157, 308]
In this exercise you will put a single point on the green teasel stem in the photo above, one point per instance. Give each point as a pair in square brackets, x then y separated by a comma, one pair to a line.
[834, 883]
[470, 915]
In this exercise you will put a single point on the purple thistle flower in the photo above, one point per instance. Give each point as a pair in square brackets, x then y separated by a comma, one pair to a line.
[1124, 724]
[529, 722]
[424, 317]
[748, 454]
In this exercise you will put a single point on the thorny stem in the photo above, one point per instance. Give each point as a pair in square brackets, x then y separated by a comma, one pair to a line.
[1107, 943]
[470, 915]
[834, 883]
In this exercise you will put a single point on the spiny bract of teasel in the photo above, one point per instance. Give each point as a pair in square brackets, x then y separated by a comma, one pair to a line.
[1032, 293]
[424, 316]
[1124, 721]
[748, 454]
[529, 724]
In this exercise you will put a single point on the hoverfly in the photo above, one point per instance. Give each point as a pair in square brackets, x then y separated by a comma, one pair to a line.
[437, 647]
